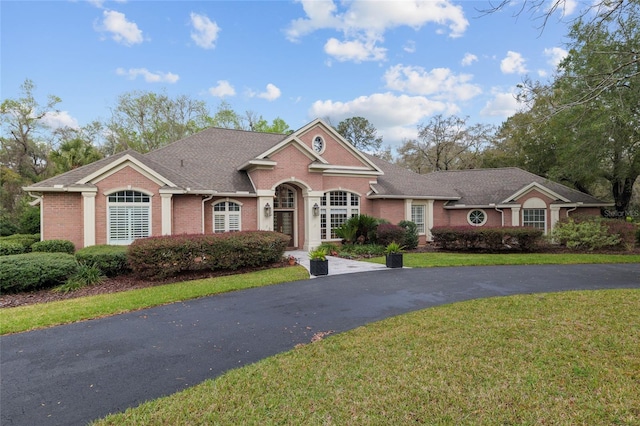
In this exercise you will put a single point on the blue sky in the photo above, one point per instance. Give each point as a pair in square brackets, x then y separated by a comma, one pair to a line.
[396, 63]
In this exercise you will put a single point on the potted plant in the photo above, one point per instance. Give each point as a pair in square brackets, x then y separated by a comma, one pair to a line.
[318, 263]
[292, 260]
[393, 255]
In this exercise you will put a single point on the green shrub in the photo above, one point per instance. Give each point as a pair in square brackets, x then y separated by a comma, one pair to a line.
[362, 250]
[487, 238]
[30, 220]
[54, 246]
[33, 271]
[585, 234]
[111, 260]
[159, 257]
[348, 231]
[11, 247]
[25, 239]
[386, 233]
[7, 227]
[84, 276]
[411, 237]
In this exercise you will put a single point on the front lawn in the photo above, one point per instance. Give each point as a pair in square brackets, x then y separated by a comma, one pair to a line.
[562, 358]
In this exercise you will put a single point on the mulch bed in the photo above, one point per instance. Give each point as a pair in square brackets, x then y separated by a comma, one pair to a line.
[114, 285]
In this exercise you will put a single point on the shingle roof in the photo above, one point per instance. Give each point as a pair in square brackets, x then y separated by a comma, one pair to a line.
[398, 181]
[494, 186]
[209, 159]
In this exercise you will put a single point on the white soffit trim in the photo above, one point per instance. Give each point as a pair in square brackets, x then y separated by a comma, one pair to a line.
[535, 185]
[121, 163]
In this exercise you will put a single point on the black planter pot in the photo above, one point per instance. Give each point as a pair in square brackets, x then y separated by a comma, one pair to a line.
[319, 267]
[394, 260]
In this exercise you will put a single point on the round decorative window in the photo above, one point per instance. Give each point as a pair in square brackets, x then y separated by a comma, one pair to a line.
[318, 144]
[477, 217]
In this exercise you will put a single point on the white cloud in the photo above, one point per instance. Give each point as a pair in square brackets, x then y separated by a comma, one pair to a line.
[363, 23]
[149, 77]
[205, 32]
[555, 55]
[122, 31]
[469, 58]
[58, 119]
[271, 94]
[356, 51]
[565, 7]
[394, 116]
[410, 46]
[222, 89]
[441, 83]
[514, 63]
[503, 104]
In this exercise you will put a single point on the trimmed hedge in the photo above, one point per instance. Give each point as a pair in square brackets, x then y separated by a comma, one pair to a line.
[25, 239]
[33, 271]
[387, 233]
[111, 260]
[488, 238]
[160, 257]
[54, 246]
[11, 247]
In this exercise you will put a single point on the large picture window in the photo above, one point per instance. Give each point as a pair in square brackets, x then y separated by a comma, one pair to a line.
[129, 217]
[226, 217]
[337, 208]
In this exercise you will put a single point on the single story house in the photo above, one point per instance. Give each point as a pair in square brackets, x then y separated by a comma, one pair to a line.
[304, 184]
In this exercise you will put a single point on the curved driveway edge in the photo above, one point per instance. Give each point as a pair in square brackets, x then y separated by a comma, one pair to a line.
[72, 374]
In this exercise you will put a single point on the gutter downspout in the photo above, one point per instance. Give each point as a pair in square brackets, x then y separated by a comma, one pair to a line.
[39, 200]
[570, 210]
[204, 200]
[501, 214]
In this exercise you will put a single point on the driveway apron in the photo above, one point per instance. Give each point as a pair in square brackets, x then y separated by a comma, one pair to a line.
[72, 374]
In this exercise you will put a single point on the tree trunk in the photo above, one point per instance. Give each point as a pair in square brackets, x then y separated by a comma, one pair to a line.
[622, 189]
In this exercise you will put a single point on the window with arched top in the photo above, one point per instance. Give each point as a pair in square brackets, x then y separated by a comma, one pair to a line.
[128, 217]
[226, 216]
[336, 208]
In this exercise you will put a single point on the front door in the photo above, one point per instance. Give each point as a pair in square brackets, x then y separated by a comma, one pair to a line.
[283, 223]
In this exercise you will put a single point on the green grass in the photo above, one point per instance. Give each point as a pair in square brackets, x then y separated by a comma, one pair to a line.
[24, 318]
[428, 260]
[562, 358]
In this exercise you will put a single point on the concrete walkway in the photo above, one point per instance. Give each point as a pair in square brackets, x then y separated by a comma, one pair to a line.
[337, 265]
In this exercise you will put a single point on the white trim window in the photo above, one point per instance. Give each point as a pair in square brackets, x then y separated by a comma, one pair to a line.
[337, 208]
[477, 217]
[226, 217]
[535, 218]
[128, 217]
[418, 217]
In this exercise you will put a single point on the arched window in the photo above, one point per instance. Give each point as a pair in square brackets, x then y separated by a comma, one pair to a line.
[337, 208]
[128, 216]
[226, 217]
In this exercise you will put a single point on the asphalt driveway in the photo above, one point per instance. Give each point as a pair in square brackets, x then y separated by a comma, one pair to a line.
[70, 375]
